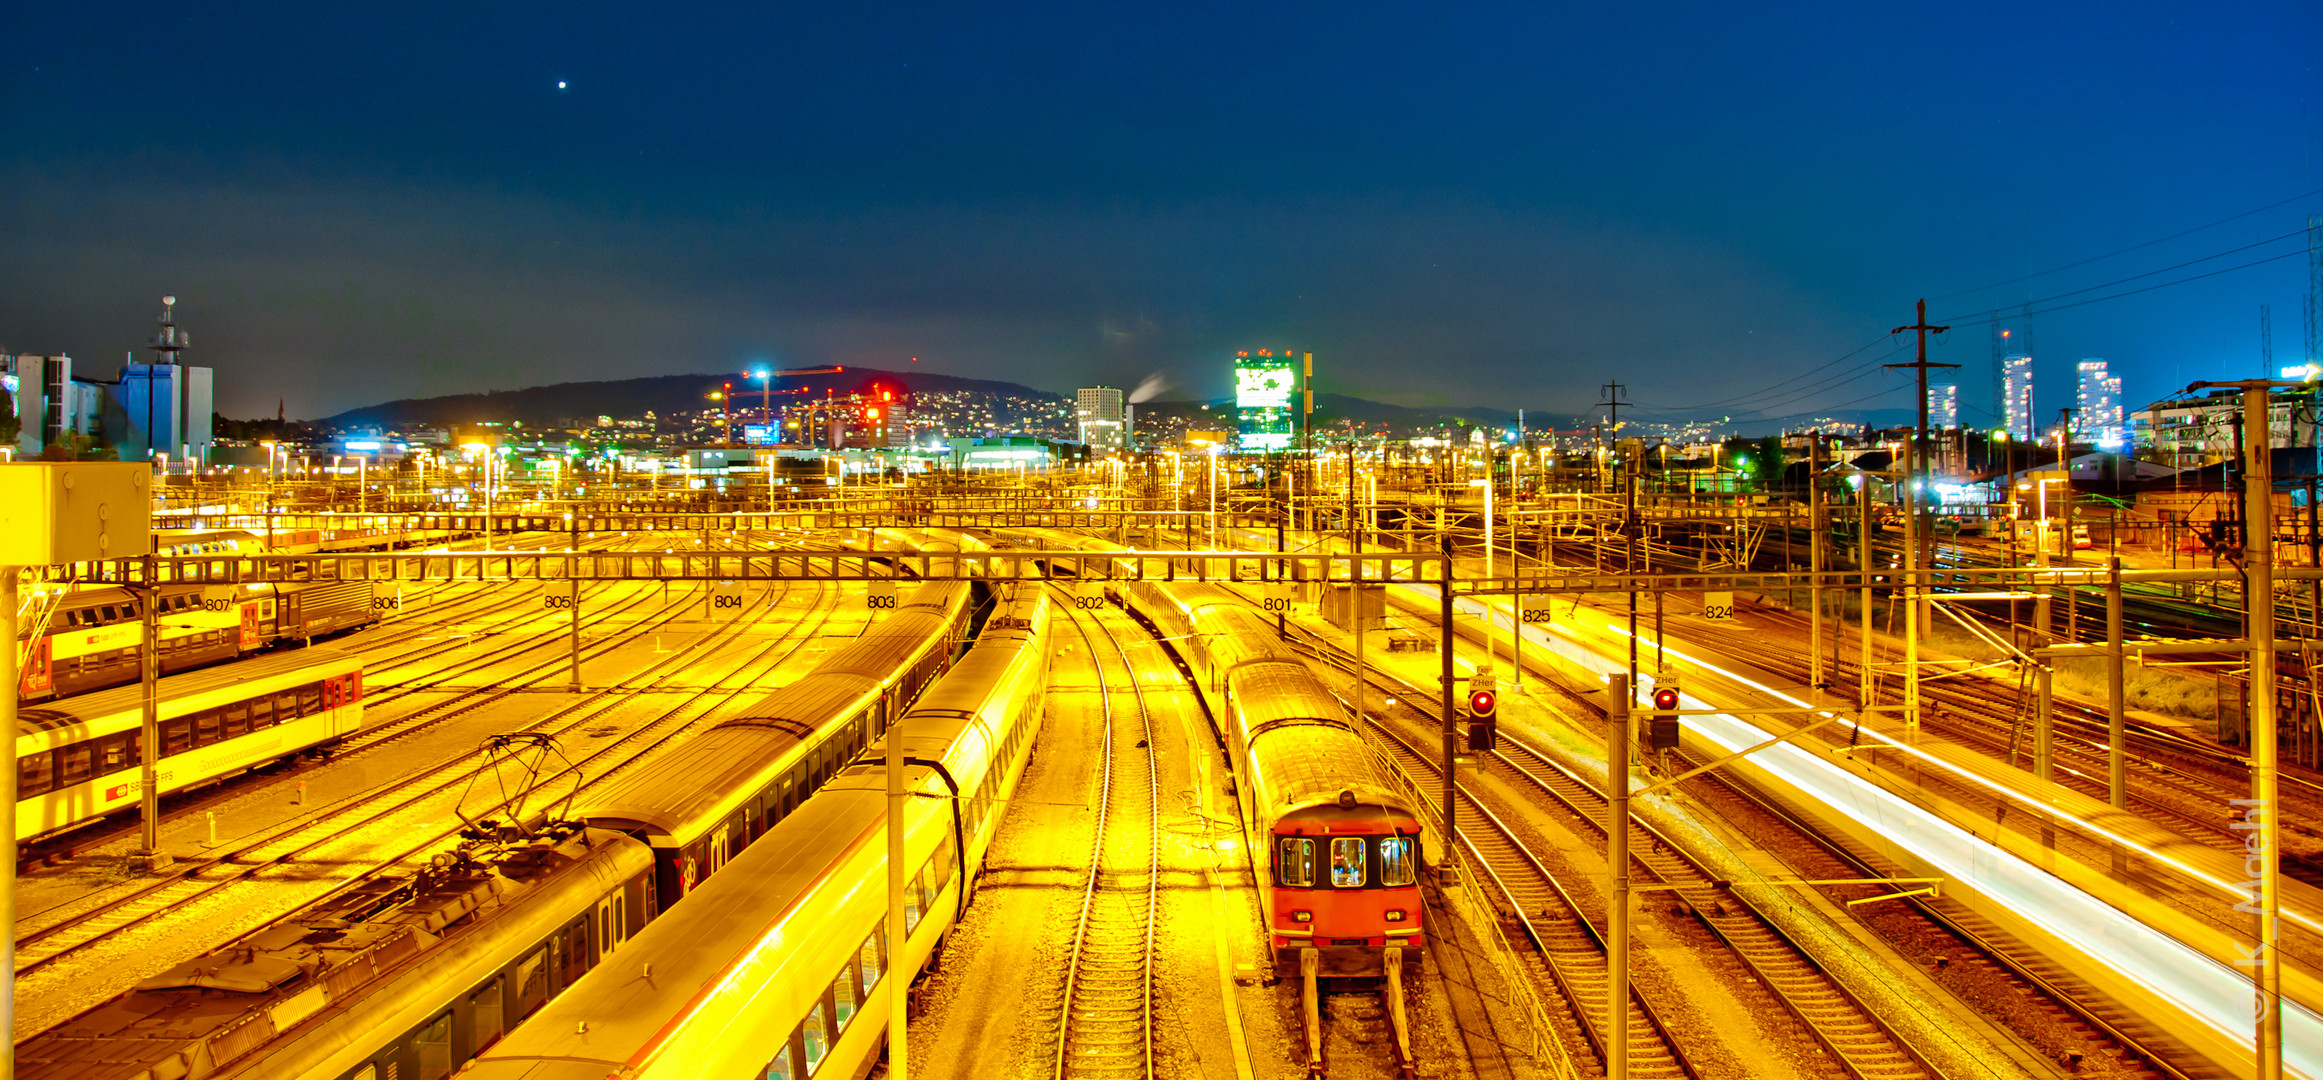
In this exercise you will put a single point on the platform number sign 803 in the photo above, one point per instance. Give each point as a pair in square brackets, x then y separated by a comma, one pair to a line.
[880, 596]
[1718, 606]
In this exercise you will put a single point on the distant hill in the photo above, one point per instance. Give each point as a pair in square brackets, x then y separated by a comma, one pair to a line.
[544, 406]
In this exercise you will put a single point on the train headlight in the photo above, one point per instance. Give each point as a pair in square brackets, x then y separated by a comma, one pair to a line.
[1302, 916]
[1395, 915]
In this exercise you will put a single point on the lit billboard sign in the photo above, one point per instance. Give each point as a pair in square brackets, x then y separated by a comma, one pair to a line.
[1258, 387]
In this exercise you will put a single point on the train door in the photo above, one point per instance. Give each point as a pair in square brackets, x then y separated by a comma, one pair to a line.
[611, 929]
[253, 633]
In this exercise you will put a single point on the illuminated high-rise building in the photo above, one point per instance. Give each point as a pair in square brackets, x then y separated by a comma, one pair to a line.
[1104, 426]
[1263, 385]
[2016, 396]
[2099, 399]
[1943, 406]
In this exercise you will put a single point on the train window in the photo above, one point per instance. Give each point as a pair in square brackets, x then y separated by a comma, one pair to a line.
[1396, 864]
[261, 712]
[1347, 862]
[432, 1049]
[75, 764]
[116, 752]
[843, 996]
[489, 1007]
[310, 699]
[531, 982]
[235, 719]
[867, 963]
[1294, 864]
[912, 904]
[367, 1072]
[177, 736]
[780, 1068]
[34, 775]
[818, 1041]
[206, 727]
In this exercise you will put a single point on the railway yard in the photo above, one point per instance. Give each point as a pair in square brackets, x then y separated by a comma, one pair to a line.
[613, 797]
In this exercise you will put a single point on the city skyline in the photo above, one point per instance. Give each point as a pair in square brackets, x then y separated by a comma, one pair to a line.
[1461, 222]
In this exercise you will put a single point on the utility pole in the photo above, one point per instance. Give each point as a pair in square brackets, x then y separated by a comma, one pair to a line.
[1815, 558]
[1916, 532]
[1617, 735]
[2264, 808]
[1612, 405]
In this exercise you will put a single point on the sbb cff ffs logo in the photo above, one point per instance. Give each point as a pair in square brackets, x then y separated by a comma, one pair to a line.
[1483, 699]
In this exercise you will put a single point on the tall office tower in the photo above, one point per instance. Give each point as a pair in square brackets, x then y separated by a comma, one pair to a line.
[1103, 426]
[1263, 385]
[2099, 399]
[2016, 396]
[1943, 406]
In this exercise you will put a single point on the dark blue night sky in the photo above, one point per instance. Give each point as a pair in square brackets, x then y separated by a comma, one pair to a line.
[1460, 206]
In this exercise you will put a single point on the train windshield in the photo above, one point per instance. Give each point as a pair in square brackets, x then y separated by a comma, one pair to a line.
[1395, 860]
[1295, 862]
[1347, 863]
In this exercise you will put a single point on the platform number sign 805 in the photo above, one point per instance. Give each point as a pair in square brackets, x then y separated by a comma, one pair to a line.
[556, 601]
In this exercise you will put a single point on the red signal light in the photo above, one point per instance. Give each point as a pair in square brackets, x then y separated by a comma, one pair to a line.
[1480, 704]
[1666, 698]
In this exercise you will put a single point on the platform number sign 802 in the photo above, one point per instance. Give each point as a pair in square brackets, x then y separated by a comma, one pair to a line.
[1089, 596]
[1718, 606]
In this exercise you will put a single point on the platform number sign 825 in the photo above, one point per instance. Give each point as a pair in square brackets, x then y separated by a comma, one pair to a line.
[1718, 606]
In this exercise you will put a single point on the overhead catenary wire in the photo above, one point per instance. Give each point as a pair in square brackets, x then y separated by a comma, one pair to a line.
[2133, 247]
[2016, 308]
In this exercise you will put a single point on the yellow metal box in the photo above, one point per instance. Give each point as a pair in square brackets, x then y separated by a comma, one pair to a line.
[74, 511]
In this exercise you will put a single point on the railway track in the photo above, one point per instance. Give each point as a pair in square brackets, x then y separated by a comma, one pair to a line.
[1105, 1024]
[1844, 1026]
[2054, 1010]
[1571, 950]
[86, 928]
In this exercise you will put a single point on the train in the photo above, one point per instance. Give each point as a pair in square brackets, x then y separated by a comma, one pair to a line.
[81, 758]
[1344, 845]
[412, 976]
[782, 968]
[89, 639]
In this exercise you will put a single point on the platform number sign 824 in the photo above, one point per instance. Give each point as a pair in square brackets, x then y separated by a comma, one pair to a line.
[1718, 606]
